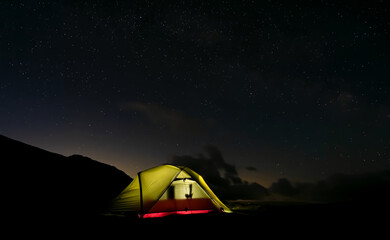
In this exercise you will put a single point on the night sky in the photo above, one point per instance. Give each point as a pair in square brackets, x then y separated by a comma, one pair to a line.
[283, 89]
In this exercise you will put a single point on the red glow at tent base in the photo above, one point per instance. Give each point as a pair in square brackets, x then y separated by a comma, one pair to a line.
[163, 214]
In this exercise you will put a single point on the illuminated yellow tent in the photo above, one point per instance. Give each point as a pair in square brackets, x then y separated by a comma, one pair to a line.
[166, 190]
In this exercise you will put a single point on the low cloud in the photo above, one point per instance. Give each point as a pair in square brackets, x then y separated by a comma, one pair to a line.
[340, 187]
[174, 120]
[250, 168]
[220, 175]
[284, 187]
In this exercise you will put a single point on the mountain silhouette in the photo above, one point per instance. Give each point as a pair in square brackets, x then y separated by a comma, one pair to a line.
[39, 182]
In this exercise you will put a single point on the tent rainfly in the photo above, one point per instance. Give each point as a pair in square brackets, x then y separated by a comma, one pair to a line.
[166, 190]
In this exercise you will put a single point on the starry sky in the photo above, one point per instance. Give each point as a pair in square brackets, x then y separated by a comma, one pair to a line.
[294, 89]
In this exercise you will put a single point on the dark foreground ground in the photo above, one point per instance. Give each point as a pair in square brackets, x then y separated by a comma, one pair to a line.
[249, 220]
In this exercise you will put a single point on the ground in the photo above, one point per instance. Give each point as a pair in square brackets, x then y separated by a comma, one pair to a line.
[250, 219]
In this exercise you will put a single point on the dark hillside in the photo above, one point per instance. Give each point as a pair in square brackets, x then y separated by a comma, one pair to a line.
[45, 183]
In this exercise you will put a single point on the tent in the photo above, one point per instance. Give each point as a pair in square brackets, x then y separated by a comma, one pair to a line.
[166, 190]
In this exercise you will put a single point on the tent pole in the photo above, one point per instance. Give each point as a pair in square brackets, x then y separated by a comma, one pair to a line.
[141, 197]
